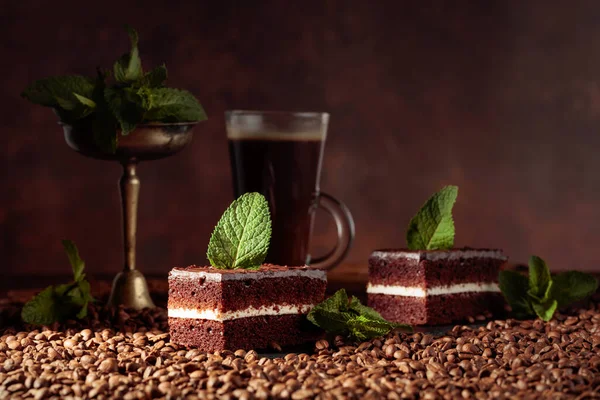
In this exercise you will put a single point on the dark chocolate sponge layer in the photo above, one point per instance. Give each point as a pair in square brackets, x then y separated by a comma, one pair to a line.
[434, 268]
[206, 288]
[243, 333]
[436, 310]
[195, 291]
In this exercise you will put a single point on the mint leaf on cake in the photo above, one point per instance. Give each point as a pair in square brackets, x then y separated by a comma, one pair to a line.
[238, 302]
[541, 293]
[61, 302]
[430, 282]
[345, 316]
[241, 237]
[433, 227]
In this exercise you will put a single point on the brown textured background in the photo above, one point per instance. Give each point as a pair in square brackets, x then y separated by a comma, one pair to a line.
[500, 98]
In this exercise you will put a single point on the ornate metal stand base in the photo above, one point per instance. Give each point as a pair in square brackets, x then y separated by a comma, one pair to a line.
[131, 290]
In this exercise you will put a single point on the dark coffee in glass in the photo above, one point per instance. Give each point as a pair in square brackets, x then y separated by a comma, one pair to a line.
[280, 155]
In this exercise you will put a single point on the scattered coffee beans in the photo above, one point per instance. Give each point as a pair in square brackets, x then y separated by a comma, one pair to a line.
[127, 355]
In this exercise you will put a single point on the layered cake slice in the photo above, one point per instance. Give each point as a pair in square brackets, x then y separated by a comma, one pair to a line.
[434, 287]
[217, 309]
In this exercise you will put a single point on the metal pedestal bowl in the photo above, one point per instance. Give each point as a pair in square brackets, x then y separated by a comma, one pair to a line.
[147, 142]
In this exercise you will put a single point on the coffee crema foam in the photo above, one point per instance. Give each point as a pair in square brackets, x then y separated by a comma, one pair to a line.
[306, 136]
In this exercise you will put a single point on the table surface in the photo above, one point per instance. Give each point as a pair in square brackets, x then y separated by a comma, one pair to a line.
[126, 354]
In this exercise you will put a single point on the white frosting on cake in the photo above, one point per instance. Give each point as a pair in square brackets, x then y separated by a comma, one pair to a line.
[437, 255]
[415, 291]
[216, 315]
[217, 276]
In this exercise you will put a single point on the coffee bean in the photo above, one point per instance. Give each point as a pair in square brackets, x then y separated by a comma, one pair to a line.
[240, 353]
[251, 357]
[322, 344]
[108, 365]
[164, 387]
[114, 381]
[19, 344]
[503, 359]
[302, 394]
[400, 355]
[87, 360]
[96, 390]
[426, 340]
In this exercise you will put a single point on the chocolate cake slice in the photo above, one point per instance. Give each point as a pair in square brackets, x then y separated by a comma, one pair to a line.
[229, 309]
[434, 287]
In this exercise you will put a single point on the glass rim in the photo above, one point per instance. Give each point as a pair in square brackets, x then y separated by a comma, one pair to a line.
[304, 114]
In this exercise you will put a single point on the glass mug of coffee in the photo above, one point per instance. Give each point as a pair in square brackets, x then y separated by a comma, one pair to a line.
[279, 154]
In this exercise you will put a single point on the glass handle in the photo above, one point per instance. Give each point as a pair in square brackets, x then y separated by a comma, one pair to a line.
[345, 232]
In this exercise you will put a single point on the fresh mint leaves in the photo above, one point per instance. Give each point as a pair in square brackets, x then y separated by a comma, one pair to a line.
[572, 286]
[241, 237]
[63, 93]
[172, 105]
[61, 302]
[433, 227]
[514, 287]
[345, 316]
[104, 121]
[43, 309]
[140, 97]
[76, 262]
[135, 97]
[128, 68]
[540, 281]
[542, 294]
[127, 105]
[155, 78]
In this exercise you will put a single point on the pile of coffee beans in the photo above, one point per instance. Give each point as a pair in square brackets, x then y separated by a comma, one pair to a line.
[127, 355]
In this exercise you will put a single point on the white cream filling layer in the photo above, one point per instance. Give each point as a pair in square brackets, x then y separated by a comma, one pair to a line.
[243, 275]
[439, 255]
[413, 291]
[216, 315]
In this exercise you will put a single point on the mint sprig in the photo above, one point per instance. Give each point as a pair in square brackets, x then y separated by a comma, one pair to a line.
[171, 105]
[241, 237]
[345, 316]
[128, 68]
[104, 121]
[64, 94]
[541, 293]
[61, 302]
[134, 97]
[433, 227]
